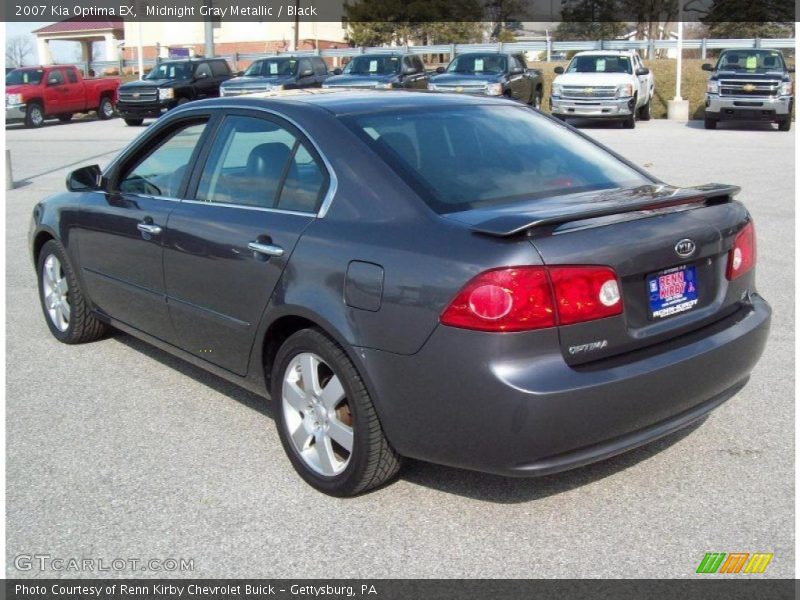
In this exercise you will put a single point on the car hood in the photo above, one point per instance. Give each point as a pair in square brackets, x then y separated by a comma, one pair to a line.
[147, 84]
[358, 80]
[19, 88]
[588, 79]
[465, 78]
[751, 76]
[256, 81]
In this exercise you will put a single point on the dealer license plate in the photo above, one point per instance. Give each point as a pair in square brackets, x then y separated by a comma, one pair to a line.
[672, 291]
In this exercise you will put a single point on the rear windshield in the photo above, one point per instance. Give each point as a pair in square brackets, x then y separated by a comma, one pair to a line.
[373, 65]
[25, 77]
[273, 67]
[750, 60]
[459, 158]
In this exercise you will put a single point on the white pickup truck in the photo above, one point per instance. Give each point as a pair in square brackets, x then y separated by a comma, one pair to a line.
[603, 84]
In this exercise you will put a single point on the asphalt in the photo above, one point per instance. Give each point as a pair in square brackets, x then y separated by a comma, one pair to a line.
[118, 450]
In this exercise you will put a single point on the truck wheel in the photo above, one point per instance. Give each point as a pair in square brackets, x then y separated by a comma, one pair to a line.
[65, 118]
[326, 419]
[134, 122]
[34, 115]
[630, 122]
[710, 123]
[106, 109]
[644, 111]
[785, 125]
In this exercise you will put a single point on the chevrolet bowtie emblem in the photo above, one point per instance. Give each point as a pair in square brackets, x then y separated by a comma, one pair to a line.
[459, 89]
[588, 91]
[136, 95]
[748, 87]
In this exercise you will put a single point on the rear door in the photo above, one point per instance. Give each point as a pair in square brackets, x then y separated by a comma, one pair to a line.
[56, 94]
[122, 232]
[75, 97]
[255, 190]
[205, 85]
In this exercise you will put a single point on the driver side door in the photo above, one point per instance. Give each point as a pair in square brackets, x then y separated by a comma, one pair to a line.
[121, 232]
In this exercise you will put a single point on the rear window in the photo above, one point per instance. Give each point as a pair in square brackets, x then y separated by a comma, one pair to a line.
[459, 158]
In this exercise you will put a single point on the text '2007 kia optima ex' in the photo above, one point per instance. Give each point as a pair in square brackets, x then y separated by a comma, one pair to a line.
[450, 278]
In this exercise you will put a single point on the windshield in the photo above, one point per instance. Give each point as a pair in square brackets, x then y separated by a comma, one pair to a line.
[373, 65]
[273, 67]
[750, 60]
[459, 158]
[600, 64]
[25, 76]
[171, 71]
[478, 63]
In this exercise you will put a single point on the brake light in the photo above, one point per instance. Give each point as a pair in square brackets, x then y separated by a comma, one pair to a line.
[525, 298]
[742, 256]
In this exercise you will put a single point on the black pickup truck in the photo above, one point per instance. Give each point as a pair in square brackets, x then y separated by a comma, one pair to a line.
[492, 74]
[169, 84]
[749, 85]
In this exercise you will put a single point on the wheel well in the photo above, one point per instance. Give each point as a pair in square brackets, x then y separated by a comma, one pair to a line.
[276, 335]
[40, 240]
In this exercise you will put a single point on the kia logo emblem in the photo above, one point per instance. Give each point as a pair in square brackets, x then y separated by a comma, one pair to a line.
[685, 248]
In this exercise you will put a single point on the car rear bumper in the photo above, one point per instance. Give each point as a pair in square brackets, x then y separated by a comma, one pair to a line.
[592, 109]
[15, 113]
[748, 108]
[501, 403]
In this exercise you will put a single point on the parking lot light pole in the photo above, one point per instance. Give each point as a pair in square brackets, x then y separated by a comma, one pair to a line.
[678, 108]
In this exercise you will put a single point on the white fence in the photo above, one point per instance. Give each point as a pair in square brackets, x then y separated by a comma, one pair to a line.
[548, 47]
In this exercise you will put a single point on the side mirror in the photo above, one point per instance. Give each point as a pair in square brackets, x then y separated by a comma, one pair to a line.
[53, 81]
[642, 71]
[440, 70]
[306, 73]
[85, 179]
[707, 67]
[337, 71]
[559, 70]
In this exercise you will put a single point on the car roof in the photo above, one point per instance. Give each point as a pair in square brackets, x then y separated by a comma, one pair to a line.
[344, 101]
[606, 53]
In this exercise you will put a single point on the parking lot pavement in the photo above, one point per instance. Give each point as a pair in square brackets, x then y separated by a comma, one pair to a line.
[116, 449]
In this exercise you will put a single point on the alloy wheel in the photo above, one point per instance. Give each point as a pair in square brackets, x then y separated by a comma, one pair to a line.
[56, 292]
[37, 118]
[317, 415]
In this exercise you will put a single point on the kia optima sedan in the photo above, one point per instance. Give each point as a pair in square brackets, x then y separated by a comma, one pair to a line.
[457, 279]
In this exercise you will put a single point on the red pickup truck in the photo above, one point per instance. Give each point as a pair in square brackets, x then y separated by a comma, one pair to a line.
[34, 94]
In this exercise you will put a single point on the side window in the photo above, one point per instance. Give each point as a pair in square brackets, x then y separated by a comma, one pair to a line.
[418, 64]
[304, 65]
[161, 172]
[55, 77]
[320, 68]
[220, 68]
[72, 76]
[203, 70]
[256, 162]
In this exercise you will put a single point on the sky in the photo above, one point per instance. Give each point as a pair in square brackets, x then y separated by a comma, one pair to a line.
[63, 52]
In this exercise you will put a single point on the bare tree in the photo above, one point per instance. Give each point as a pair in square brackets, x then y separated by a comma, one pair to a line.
[18, 49]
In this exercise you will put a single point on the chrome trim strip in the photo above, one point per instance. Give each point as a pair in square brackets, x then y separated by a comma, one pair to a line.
[245, 207]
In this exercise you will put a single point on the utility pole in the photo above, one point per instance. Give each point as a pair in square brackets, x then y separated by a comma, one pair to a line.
[678, 108]
[296, 24]
[209, 34]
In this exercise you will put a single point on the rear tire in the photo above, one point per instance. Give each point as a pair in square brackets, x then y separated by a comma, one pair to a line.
[710, 123]
[66, 310]
[34, 115]
[322, 406]
[133, 122]
[106, 109]
[785, 125]
[65, 118]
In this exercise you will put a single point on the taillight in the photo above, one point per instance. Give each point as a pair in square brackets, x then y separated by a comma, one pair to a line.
[525, 298]
[742, 256]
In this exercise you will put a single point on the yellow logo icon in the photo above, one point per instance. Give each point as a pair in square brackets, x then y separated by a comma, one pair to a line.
[588, 91]
[459, 89]
[748, 87]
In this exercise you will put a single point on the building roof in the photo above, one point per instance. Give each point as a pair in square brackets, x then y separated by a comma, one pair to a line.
[80, 25]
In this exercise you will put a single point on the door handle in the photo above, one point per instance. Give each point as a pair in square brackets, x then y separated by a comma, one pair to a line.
[148, 228]
[266, 249]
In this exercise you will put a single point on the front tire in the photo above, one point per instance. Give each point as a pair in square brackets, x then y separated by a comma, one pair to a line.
[326, 420]
[34, 115]
[106, 109]
[710, 123]
[133, 122]
[785, 125]
[64, 305]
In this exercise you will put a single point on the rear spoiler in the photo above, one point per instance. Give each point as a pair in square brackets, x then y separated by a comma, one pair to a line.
[602, 204]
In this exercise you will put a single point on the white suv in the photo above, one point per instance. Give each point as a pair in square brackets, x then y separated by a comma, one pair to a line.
[606, 84]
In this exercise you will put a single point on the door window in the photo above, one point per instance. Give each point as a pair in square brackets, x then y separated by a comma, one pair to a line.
[55, 77]
[73, 78]
[305, 65]
[256, 162]
[320, 68]
[161, 172]
[203, 70]
[220, 68]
